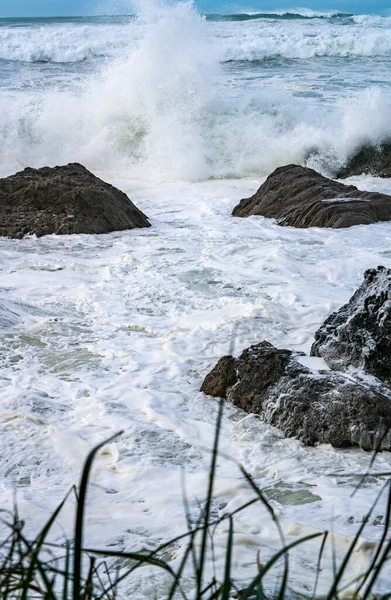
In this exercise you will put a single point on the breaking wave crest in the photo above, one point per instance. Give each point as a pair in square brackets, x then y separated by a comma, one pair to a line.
[157, 113]
[300, 45]
[61, 44]
[283, 16]
[78, 40]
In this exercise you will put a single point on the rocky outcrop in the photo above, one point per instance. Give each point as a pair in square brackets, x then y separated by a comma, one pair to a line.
[374, 160]
[301, 197]
[359, 334]
[336, 403]
[315, 407]
[63, 200]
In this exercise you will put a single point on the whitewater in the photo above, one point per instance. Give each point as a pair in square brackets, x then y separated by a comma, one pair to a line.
[187, 114]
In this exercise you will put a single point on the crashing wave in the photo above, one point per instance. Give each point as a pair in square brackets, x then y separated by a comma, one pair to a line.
[158, 114]
[61, 44]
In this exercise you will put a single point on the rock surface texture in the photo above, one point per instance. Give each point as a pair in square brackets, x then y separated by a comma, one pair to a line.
[321, 407]
[300, 197]
[375, 160]
[63, 200]
[359, 334]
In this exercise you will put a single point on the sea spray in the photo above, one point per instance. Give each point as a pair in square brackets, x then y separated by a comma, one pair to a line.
[164, 105]
[144, 112]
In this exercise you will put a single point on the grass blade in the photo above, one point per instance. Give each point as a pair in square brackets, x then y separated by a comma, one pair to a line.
[338, 576]
[228, 561]
[257, 580]
[77, 555]
[208, 505]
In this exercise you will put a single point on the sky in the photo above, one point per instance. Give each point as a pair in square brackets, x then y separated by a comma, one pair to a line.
[20, 8]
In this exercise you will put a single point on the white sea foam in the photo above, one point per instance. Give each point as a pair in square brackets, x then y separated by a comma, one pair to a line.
[116, 332]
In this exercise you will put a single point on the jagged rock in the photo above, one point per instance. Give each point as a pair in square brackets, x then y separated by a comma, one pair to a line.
[359, 334]
[315, 407]
[63, 200]
[323, 406]
[301, 197]
[375, 160]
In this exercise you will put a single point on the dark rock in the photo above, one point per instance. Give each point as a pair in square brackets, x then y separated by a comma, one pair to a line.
[375, 160]
[359, 334]
[301, 197]
[320, 407]
[324, 406]
[63, 200]
[220, 378]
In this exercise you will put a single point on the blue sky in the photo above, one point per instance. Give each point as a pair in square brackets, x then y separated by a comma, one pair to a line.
[81, 7]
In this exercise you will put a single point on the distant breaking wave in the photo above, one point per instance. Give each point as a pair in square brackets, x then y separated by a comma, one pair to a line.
[369, 42]
[286, 16]
[61, 44]
[81, 40]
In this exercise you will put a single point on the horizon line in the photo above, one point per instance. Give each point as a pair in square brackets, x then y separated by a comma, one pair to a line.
[209, 14]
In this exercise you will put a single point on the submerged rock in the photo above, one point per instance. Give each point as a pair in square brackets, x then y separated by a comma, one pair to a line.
[316, 407]
[369, 159]
[63, 200]
[359, 333]
[301, 197]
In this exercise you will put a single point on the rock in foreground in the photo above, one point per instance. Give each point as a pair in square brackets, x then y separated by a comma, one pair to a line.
[375, 160]
[301, 197]
[359, 334]
[321, 407]
[63, 200]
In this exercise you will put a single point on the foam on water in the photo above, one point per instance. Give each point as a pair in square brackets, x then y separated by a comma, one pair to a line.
[102, 333]
[117, 332]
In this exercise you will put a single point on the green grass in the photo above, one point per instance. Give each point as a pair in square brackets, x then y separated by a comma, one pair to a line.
[36, 569]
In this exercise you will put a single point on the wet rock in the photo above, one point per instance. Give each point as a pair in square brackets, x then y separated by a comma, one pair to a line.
[315, 407]
[220, 378]
[63, 200]
[369, 159]
[359, 334]
[301, 197]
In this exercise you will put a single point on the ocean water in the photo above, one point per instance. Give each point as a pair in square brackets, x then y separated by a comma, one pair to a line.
[187, 114]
